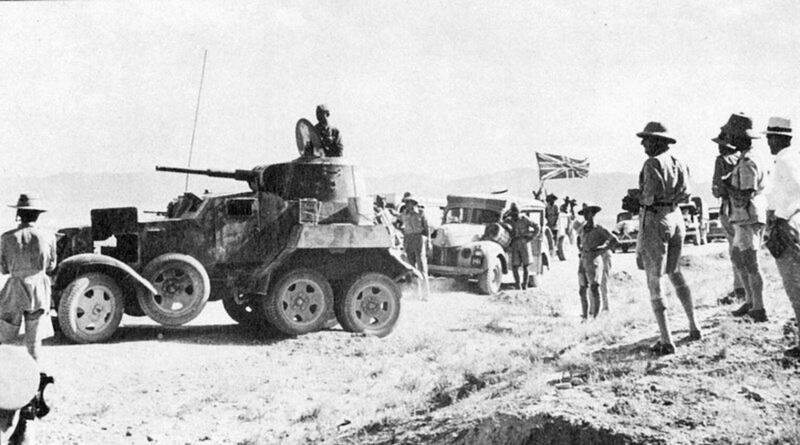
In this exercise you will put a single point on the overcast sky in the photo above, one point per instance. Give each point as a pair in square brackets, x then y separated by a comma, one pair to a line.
[450, 88]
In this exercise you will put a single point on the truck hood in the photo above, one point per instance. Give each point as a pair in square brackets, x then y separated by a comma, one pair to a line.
[454, 235]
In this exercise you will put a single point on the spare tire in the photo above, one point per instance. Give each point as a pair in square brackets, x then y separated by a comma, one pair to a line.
[498, 233]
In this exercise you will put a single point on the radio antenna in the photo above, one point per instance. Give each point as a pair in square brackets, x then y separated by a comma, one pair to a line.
[196, 113]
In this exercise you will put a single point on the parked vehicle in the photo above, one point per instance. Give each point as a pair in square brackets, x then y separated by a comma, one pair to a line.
[627, 230]
[715, 229]
[472, 244]
[695, 217]
[290, 253]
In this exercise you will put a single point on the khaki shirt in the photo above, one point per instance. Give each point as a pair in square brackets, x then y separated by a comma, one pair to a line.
[663, 180]
[591, 238]
[522, 227]
[27, 250]
[750, 173]
[414, 222]
[26, 253]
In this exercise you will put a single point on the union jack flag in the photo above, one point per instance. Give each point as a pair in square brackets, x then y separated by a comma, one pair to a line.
[559, 167]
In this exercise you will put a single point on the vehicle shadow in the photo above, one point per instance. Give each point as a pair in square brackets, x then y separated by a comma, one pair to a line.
[230, 334]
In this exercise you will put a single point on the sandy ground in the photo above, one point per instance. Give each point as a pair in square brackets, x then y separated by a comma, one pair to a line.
[215, 382]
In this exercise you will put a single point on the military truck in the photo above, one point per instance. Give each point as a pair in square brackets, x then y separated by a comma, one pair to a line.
[626, 230]
[695, 217]
[472, 244]
[290, 253]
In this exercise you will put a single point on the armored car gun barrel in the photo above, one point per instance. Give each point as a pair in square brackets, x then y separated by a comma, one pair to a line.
[252, 177]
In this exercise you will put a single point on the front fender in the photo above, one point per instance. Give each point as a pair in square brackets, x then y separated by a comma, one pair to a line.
[74, 265]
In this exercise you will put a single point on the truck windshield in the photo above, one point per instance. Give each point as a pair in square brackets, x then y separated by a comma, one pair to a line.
[465, 215]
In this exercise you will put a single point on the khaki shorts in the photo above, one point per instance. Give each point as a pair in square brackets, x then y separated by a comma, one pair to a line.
[590, 270]
[520, 251]
[37, 324]
[748, 236]
[660, 241]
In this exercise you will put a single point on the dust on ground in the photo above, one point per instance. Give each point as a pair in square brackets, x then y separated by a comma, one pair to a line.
[518, 367]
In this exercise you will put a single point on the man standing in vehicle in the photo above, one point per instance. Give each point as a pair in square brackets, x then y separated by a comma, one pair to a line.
[416, 237]
[723, 166]
[522, 232]
[784, 213]
[663, 183]
[746, 188]
[330, 136]
[27, 254]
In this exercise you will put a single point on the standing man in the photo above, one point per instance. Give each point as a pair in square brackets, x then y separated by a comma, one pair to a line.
[331, 139]
[593, 242]
[27, 254]
[552, 215]
[416, 240]
[723, 167]
[784, 213]
[522, 232]
[748, 214]
[663, 183]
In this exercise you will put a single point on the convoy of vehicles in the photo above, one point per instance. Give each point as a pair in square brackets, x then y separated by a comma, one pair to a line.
[472, 243]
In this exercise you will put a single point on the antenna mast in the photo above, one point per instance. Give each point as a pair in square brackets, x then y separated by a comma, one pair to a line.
[196, 112]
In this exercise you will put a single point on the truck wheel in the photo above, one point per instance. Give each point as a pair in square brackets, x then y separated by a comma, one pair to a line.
[299, 302]
[90, 308]
[489, 281]
[371, 305]
[183, 289]
[245, 314]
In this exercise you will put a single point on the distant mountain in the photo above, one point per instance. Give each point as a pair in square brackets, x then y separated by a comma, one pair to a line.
[72, 195]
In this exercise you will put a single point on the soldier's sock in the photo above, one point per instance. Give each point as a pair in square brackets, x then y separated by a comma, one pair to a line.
[524, 277]
[684, 294]
[659, 310]
[584, 302]
[595, 293]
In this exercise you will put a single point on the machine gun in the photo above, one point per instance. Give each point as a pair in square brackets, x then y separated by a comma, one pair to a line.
[252, 177]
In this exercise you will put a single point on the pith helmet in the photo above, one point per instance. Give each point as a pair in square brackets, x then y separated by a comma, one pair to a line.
[551, 198]
[739, 125]
[19, 378]
[656, 130]
[29, 201]
[407, 196]
[591, 208]
[779, 126]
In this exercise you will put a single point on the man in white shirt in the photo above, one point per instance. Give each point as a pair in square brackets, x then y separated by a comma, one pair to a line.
[784, 212]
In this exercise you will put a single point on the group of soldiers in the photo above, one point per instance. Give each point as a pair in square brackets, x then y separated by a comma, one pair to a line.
[754, 201]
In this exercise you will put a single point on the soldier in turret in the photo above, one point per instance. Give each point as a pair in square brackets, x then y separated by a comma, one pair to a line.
[331, 138]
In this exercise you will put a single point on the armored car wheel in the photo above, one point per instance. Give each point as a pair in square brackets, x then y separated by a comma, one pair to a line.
[299, 302]
[489, 281]
[183, 289]
[244, 314]
[371, 305]
[90, 308]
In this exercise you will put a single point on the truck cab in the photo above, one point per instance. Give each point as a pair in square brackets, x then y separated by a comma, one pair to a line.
[472, 242]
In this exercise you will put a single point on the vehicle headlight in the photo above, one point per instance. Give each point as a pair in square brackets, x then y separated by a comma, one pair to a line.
[466, 253]
[434, 234]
